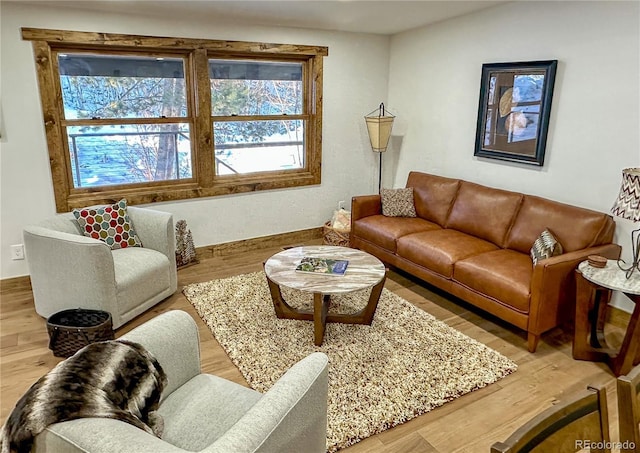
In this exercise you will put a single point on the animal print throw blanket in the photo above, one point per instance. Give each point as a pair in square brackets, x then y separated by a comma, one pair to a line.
[110, 379]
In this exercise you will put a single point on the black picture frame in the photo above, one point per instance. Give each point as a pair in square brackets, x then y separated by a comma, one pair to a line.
[514, 109]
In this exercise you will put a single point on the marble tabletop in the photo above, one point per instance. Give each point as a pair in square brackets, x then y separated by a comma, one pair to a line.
[364, 270]
[611, 277]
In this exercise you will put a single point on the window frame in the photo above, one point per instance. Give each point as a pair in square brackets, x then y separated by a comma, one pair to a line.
[197, 52]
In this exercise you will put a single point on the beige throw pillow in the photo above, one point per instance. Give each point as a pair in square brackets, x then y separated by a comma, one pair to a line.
[398, 202]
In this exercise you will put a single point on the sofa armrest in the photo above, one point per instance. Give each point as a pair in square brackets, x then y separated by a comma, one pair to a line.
[291, 416]
[364, 206]
[58, 261]
[553, 288]
[172, 338]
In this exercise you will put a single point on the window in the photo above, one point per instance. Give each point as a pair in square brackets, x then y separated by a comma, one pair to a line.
[126, 118]
[258, 117]
[157, 119]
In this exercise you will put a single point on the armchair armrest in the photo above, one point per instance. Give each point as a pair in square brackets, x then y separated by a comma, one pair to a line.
[291, 416]
[155, 229]
[58, 261]
[172, 338]
[553, 289]
[364, 206]
[99, 435]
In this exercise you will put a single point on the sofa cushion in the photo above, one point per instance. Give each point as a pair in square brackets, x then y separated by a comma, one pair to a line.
[433, 195]
[397, 202]
[141, 273]
[203, 409]
[575, 228]
[484, 212]
[504, 275]
[438, 250]
[385, 231]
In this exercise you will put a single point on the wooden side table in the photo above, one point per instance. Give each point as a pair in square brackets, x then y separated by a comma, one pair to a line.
[593, 293]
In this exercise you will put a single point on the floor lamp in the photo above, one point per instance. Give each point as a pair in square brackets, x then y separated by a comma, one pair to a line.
[627, 206]
[379, 124]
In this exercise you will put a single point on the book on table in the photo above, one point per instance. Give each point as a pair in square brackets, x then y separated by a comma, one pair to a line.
[324, 266]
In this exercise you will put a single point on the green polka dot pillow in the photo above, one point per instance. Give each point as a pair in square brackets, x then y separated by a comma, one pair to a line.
[109, 223]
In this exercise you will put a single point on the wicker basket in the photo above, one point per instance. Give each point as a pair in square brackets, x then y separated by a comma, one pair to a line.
[71, 330]
[331, 236]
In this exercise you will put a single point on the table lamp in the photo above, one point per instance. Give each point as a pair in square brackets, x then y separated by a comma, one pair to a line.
[627, 206]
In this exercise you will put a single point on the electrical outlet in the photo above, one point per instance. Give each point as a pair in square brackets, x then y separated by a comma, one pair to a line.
[341, 205]
[17, 252]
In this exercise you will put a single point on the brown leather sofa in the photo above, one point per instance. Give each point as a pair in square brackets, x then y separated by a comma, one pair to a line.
[474, 242]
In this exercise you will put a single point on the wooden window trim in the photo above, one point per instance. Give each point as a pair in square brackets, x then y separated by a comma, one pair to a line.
[204, 183]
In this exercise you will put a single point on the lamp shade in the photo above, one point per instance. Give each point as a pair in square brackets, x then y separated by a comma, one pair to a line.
[627, 205]
[379, 125]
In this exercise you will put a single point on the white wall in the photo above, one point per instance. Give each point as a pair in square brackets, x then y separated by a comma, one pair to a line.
[594, 129]
[355, 79]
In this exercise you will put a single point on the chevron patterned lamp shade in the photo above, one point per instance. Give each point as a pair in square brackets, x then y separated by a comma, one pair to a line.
[627, 205]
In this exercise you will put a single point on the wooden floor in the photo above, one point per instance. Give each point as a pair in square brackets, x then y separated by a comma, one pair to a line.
[469, 424]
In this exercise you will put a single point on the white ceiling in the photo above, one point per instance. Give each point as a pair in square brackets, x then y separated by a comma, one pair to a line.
[385, 17]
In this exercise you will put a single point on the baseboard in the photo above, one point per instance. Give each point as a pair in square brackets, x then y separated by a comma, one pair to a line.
[262, 242]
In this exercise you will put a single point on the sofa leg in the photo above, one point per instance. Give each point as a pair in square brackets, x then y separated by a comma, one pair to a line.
[533, 341]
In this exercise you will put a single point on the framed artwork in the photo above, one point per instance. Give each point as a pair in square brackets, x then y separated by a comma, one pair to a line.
[513, 113]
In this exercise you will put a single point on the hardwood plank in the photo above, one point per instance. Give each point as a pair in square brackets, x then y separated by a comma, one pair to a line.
[470, 423]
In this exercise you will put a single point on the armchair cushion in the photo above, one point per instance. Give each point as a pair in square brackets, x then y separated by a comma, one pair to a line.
[140, 274]
[203, 409]
[109, 223]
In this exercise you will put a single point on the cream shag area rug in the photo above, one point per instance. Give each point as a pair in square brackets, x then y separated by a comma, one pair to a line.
[403, 365]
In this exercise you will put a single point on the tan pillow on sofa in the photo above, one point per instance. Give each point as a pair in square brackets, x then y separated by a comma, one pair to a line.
[398, 202]
[545, 246]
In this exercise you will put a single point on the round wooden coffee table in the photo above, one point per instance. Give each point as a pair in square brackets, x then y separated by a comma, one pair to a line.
[364, 271]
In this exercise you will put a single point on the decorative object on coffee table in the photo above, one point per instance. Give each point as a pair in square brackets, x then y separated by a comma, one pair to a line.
[364, 271]
[627, 206]
[593, 293]
[405, 364]
[185, 250]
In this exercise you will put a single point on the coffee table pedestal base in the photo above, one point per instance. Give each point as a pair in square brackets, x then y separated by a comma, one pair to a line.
[320, 314]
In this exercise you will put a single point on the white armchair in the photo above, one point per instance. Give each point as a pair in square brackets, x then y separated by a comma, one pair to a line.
[205, 413]
[69, 270]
